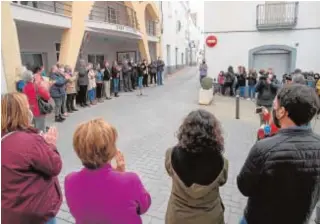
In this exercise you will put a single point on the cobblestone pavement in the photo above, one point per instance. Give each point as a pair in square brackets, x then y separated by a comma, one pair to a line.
[147, 127]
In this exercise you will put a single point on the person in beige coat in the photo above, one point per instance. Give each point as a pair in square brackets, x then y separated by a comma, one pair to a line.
[197, 168]
[71, 88]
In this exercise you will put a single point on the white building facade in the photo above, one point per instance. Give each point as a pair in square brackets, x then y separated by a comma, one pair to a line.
[261, 35]
[180, 35]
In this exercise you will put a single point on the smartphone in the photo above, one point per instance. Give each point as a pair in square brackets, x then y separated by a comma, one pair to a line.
[258, 110]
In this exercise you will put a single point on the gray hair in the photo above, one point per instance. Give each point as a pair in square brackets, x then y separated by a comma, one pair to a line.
[27, 76]
[82, 63]
[299, 79]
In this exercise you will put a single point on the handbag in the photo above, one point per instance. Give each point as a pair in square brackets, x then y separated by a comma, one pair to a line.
[44, 106]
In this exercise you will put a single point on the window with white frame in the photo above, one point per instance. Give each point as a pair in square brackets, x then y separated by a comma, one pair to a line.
[112, 15]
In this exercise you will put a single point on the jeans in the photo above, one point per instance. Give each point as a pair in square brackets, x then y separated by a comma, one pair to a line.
[52, 221]
[243, 221]
[251, 92]
[91, 95]
[63, 104]
[242, 91]
[40, 123]
[57, 106]
[115, 85]
[127, 82]
[140, 79]
[159, 78]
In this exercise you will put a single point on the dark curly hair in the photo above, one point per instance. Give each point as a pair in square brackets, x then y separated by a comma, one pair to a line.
[201, 132]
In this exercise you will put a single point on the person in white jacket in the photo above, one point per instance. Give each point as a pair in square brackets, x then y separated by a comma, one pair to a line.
[92, 84]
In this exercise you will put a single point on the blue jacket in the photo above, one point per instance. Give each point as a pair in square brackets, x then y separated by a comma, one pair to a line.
[58, 89]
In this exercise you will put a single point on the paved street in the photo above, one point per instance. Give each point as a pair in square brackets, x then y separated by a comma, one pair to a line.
[147, 127]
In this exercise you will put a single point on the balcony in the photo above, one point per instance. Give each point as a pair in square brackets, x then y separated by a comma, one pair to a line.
[272, 16]
[54, 13]
[63, 8]
[114, 13]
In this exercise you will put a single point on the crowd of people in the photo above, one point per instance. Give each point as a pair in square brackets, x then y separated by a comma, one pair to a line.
[247, 84]
[85, 86]
[280, 176]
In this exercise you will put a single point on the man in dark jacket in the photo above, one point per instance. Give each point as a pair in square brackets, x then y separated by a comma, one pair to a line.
[126, 71]
[281, 176]
[134, 75]
[266, 88]
[229, 80]
[160, 69]
[83, 81]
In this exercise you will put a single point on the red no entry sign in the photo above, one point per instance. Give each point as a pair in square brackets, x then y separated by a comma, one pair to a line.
[211, 41]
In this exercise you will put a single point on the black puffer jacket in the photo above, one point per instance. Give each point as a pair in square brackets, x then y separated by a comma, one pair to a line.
[281, 177]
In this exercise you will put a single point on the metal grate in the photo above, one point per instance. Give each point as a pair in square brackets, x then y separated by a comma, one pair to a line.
[63, 8]
[277, 15]
[115, 13]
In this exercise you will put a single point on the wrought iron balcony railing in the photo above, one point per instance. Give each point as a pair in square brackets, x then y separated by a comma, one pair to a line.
[282, 15]
[151, 27]
[63, 8]
[115, 13]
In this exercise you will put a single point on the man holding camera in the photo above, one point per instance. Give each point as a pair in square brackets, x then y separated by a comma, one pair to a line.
[266, 89]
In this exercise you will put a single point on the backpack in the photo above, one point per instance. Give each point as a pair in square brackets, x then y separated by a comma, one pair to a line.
[20, 85]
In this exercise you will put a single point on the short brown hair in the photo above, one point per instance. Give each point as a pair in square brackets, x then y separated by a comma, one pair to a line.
[95, 143]
[14, 112]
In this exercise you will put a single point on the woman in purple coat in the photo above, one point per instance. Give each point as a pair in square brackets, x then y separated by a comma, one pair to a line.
[100, 193]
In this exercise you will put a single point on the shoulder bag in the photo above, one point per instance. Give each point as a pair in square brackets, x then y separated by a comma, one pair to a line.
[44, 106]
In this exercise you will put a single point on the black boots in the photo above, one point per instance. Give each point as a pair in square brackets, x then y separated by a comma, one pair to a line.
[59, 118]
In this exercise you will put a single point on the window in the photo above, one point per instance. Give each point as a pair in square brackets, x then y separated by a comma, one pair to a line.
[112, 15]
[151, 28]
[57, 46]
[178, 26]
[96, 58]
[31, 59]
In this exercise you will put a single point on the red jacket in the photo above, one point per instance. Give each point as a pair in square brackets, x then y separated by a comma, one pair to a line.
[267, 118]
[30, 90]
[30, 191]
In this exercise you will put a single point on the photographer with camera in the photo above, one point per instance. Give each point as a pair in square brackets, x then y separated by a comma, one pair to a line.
[266, 89]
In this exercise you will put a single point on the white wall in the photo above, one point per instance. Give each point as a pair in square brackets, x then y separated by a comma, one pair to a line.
[172, 12]
[39, 39]
[222, 19]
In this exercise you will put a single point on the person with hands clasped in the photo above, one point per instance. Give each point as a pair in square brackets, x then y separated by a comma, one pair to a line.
[112, 195]
[30, 165]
